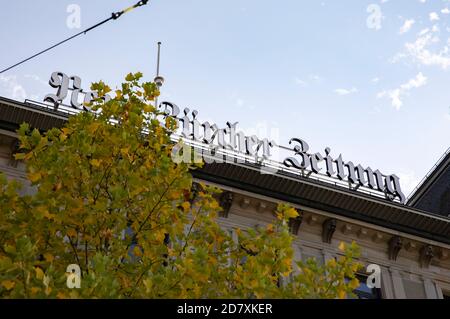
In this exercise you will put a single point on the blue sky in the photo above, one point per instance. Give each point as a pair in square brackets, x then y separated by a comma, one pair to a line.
[370, 79]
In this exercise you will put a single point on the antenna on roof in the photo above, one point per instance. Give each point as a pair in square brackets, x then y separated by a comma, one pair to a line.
[159, 80]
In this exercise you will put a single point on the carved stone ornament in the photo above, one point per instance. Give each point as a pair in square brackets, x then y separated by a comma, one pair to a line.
[426, 255]
[328, 229]
[395, 245]
[225, 201]
[294, 223]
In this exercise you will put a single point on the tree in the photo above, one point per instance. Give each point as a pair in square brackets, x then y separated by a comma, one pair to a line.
[110, 199]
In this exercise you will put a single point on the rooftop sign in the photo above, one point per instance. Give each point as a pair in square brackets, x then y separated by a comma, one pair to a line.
[230, 139]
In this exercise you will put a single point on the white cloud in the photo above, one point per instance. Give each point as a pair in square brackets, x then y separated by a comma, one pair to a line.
[396, 95]
[309, 81]
[408, 181]
[406, 26]
[418, 81]
[239, 102]
[36, 78]
[375, 80]
[13, 88]
[423, 31]
[315, 77]
[346, 91]
[421, 52]
[299, 82]
[434, 16]
[445, 11]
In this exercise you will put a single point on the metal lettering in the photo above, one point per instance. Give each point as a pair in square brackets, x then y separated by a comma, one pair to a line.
[60, 81]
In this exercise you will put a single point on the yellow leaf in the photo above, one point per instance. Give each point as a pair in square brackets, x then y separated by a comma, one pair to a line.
[213, 260]
[148, 108]
[354, 283]
[287, 262]
[175, 194]
[186, 206]
[136, 251]
[171, 252]
[341, 294]
[34, 290]
[95, 162]
[66, 130]
[49, 257]
[332, 263]
[8, 284]
[342, 246]
[61, 295]
[48, 215]
[214, 205]
[71, 232]
[124, 151]
[160, 235]
[291, 213]
[93, 127]
[355, 267]
[19, 156]
[34, 177]
[39, 273]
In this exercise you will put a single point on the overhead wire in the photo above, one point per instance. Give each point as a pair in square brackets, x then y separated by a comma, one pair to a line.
[114, 16]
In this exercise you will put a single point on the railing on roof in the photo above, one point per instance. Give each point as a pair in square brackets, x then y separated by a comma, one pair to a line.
[267, 166]
[62, 108]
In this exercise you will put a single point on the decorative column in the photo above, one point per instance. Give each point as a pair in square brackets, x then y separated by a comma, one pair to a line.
[397, 284]
[430, 289]
[387, 291]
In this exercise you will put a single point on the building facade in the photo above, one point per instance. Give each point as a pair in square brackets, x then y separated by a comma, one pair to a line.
[410, 241]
